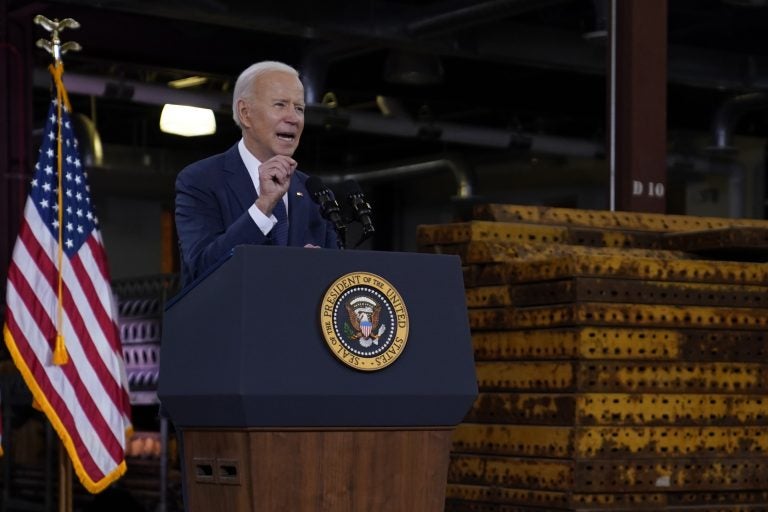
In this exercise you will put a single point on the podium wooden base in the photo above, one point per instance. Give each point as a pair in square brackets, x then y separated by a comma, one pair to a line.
[316, 471]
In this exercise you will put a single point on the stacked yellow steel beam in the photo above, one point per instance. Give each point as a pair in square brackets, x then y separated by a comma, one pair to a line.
[621, 359]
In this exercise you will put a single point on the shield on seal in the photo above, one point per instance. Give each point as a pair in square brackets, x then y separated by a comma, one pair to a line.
[365, 327]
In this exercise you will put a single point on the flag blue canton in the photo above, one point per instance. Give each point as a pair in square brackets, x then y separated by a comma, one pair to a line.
[78, 218]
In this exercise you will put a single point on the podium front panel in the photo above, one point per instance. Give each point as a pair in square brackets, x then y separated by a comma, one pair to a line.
[244, 347]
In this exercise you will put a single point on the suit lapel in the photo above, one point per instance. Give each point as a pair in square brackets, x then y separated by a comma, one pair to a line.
[298, 211]
[237, 178]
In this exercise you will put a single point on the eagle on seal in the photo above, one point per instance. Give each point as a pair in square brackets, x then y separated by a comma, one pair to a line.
[364, 317]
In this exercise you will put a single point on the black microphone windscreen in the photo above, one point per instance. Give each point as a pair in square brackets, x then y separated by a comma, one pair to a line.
[349, 188]
[315, 186]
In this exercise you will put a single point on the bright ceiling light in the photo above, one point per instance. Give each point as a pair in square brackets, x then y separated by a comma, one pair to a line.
[190, 81]
[187, 121]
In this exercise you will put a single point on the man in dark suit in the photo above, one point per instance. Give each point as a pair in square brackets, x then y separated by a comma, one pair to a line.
[241, 196]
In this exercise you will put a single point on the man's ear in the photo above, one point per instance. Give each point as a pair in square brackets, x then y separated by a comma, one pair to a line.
[243, 113]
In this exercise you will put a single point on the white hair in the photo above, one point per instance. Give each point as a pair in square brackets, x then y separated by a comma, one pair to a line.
[244, 85]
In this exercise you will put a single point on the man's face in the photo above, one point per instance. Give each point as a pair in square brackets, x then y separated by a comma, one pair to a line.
[273, 118]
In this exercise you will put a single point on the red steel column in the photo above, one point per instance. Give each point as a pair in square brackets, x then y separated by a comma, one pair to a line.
[15, 127]
[637, 108]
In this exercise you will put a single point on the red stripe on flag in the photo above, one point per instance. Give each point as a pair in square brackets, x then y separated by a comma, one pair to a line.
[47, 269]
[114, 390]
[63, 414]
[107, 325]
[99, 255]
[39, 373]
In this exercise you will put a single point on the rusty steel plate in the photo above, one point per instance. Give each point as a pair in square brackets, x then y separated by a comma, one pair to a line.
[622, 376]
[536, 344]
[620, 409]
[618, 315]
[524, 408]
[606, 219]
[627, 409]
[668, 377]
[478, 498]
[610, 475]
[480, 506]
[596, 265]
[525, 376]
[522, 234]
[503, 495]
[490, 252]
[670, 441]
[514, 440]
[516, 472]
[624, 501]
[628, 240]
[652, 269]
[722, 345]
[610, 343]
[716, 501]
[628, 442]
[463, 232]
[739, 243]
[713, 497]
[588, 289]
[670, 474]
[491, 296]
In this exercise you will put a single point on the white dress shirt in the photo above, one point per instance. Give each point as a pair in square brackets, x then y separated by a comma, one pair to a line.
[252, 164]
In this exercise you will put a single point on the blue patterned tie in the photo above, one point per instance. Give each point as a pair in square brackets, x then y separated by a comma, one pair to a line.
[280, 231]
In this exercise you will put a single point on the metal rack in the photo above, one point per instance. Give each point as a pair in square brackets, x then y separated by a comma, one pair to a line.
[140, 307]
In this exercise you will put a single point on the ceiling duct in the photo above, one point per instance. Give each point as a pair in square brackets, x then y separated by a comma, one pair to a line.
[138, 92]
[464, 183]
[407, 67]
[473, 15]
[728, 116]
[747, 3]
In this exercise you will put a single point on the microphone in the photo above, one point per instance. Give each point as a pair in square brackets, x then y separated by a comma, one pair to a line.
[359, 207]
[329, 208]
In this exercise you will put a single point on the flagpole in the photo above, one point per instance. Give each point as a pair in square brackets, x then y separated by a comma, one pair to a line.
[55, 47]
[65, 481]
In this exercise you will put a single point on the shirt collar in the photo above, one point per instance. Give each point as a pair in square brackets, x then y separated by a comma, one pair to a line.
[251, 164]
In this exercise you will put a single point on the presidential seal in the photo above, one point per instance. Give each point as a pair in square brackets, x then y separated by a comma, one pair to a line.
[364, 321]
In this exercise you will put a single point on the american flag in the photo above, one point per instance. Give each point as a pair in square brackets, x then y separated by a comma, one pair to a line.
[86, 397]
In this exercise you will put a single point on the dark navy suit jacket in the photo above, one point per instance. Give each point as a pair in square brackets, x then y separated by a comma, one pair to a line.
[212, 200]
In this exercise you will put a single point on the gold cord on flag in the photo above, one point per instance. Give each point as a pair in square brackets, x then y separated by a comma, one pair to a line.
[60, 356]
[56, 48]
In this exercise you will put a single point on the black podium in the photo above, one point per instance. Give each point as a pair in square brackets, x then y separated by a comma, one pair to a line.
[274, 418]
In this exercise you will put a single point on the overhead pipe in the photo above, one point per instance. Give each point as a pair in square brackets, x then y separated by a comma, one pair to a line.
[600, 29]
[473, 14]
[478, 136]
[464, 182]
[138, 92]
[729, 114]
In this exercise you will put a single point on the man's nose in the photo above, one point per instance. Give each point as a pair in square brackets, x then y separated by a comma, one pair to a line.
[293, 117]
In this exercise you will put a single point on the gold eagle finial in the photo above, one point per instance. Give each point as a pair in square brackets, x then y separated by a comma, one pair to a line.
[54, 46]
